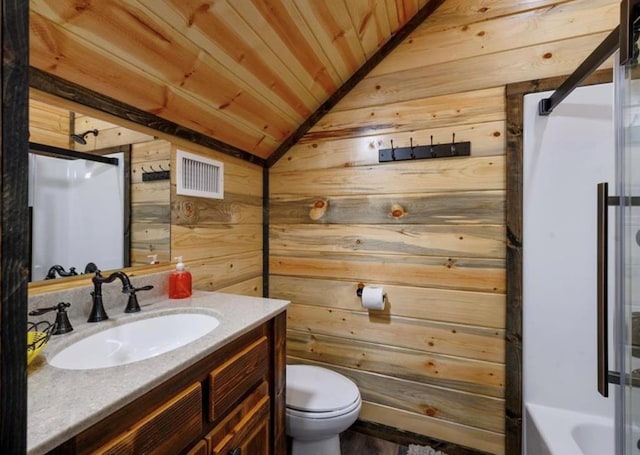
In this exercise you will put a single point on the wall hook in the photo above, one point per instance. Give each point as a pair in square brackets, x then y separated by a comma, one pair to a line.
[453, 145]
[431, 151]
[153, 175]
[393, 151]
[413, 155]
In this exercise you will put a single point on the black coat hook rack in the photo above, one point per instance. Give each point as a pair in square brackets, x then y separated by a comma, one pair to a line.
[421, 152]
[153, 175]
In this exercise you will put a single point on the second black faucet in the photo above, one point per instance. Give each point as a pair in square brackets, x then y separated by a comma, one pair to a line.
[98, 312]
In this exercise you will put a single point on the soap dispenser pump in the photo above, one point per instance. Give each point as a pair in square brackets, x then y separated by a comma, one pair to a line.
[179, 281]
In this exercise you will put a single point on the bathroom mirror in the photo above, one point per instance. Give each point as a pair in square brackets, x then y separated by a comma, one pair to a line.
[70, 194]
[88, 211]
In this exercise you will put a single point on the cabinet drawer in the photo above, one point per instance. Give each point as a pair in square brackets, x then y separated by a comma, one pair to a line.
[237, 376]
[166, 430]
[201, 448]
[246, 427]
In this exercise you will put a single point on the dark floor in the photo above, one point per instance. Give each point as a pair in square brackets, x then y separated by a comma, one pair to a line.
[354, 443]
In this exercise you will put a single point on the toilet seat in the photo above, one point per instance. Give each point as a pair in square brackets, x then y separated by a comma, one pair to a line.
[324, 415]
[318, 393]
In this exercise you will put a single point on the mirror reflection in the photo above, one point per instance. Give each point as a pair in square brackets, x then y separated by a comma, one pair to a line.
[68, 200]
[98, 194]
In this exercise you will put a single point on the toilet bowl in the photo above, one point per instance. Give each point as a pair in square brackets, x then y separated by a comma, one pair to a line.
[321, 404]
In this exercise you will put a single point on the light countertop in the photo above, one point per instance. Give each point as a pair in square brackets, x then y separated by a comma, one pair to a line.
[62, 403]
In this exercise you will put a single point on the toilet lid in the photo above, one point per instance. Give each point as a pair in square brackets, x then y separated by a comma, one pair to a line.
[315, 389]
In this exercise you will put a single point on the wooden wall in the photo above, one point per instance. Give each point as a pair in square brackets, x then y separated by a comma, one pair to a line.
[49, 124]
[432, 232]
[150, 203]
[109, 134]
[220, 240]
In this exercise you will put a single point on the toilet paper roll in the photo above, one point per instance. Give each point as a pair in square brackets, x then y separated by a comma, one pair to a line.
[373, 297]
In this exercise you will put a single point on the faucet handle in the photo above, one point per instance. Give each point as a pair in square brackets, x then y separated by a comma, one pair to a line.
[40, 311]
[143, 288]
[62, 324]
[132, 303]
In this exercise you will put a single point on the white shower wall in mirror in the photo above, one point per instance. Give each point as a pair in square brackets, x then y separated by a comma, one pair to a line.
[61, 193]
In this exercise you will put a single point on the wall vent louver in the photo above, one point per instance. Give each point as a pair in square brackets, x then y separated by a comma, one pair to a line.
[199, 176]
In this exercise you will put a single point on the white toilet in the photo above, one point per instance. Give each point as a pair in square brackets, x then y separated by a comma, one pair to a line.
[321, 404]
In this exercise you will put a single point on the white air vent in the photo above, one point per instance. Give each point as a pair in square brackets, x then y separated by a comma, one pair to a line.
[199, 176]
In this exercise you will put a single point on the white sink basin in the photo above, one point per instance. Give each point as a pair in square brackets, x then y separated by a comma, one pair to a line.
[134, 341]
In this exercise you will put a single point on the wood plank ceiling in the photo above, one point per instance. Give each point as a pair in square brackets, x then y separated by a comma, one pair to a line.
[245, 72]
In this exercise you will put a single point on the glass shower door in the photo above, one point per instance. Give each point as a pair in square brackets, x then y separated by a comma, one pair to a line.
[627, 330]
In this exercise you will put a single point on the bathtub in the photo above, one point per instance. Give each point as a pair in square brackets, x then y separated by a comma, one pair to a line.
[554, 431]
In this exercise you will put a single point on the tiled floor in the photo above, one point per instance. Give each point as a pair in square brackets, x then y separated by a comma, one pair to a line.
[354, 443]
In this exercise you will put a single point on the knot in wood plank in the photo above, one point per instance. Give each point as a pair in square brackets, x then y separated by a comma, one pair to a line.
[397, 211]
[188, 211]
[318, 209]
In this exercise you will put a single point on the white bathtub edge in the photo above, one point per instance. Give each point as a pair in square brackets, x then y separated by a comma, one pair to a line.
[550, 429]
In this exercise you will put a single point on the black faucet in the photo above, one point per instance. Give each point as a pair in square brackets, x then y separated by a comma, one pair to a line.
[98, 312]
[61, 271]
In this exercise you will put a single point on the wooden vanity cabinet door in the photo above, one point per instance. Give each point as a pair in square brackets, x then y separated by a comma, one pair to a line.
[237, 376]
[246, 427]
[258, 442]
[166, 430]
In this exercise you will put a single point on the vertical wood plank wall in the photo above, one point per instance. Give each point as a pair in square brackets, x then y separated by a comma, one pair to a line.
[432, 232]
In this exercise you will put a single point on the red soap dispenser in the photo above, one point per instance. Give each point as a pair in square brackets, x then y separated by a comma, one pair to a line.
[179, 282]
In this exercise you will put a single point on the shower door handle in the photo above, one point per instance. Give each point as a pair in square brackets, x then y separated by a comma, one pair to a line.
[602, 290]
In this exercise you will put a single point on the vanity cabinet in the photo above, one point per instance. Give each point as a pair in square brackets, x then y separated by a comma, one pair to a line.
[231, 402]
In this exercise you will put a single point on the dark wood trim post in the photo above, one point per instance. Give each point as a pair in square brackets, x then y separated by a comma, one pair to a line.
[513, 380]
[14, 230]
